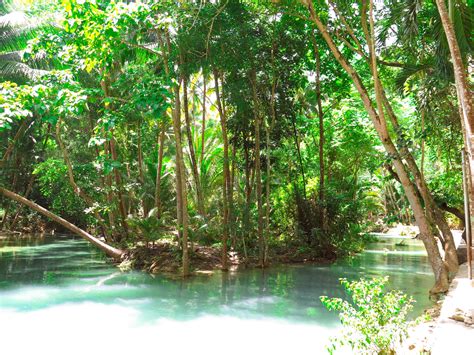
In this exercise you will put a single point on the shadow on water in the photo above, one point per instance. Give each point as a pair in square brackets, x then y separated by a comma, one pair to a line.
[36, 273]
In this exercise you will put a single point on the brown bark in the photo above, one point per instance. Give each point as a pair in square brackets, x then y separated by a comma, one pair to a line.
[226, 185]
[434, 215]
[118, 182]
[140, 168]
[108, 249]
[321, 134]
[433, 212]
[159, 168]
[232, 216]
[258, 177]
[181, 183]
[110, 196]
[248, 192]
[203, 128]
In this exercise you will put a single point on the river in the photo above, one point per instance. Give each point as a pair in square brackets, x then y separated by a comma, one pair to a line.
[58, 295]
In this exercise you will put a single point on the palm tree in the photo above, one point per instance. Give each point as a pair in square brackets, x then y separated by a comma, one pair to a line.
[16, 29]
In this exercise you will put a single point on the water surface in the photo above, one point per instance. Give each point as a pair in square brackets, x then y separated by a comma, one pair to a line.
[58, 295]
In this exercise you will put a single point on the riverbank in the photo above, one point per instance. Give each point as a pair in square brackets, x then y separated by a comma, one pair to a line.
[163, 258]
[452, 324]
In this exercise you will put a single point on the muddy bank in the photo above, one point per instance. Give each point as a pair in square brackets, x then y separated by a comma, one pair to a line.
[165, 257]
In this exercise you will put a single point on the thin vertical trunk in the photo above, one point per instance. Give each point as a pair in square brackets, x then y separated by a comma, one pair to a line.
[267, 192]
[258, 177]
[321, 134]
[203, 128]
[194, 167]
[248, 192]
[300, 158]
[110, 196]
[140, 168]
[181, 183]
[181, 195]
[422, 163]
[118, 182]
[112, 149]
[226, 185]
[232, 216]
[159, 168]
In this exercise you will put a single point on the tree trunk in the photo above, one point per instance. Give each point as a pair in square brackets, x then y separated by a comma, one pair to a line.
[248, 192]
[140, 168]
[226, 185]
[118, 182]
[433, 212]
[298, 152]
[322, 202]
[181, 183]
[379, 122]
[109, 250]
[29, 187]
[194, 167]
[232, 215]
[112, 149]
[463, 92]
[181, 196]
[77, 190]
[258, 177]
[159, 167]
[203, 128]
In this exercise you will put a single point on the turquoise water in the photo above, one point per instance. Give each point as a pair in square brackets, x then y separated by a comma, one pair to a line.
[58, 295]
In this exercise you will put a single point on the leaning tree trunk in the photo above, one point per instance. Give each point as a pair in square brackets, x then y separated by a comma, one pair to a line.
[433, 214]
[109, 250]
[380, 125]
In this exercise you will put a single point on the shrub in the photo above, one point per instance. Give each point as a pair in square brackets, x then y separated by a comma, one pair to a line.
[375, 322]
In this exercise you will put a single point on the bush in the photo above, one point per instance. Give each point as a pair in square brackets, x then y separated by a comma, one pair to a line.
[375, 322]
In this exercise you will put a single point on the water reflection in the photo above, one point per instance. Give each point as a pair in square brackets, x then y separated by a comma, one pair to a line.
[37, 273]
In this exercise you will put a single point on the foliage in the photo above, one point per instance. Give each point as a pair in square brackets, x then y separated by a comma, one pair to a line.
[54, 186]
[374, 321]
[118, 72]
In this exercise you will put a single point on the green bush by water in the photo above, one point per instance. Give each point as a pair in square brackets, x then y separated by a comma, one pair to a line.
[374, 321]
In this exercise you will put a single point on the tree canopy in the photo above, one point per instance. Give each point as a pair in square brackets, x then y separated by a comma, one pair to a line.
[260, 127]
